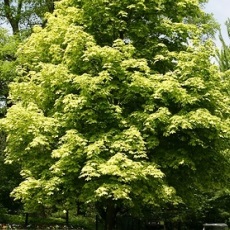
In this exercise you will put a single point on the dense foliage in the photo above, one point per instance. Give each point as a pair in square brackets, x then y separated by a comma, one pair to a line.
[10, 176]
[117, 104]
[8, 48]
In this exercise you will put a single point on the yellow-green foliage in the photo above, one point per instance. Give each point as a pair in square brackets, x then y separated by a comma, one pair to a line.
[118, 101]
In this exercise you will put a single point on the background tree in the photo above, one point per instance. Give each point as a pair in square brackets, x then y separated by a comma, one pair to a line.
[223, 54]
[118, 105]
[24, 14]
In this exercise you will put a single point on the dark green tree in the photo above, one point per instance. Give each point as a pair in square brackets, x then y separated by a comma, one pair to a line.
[24, 14]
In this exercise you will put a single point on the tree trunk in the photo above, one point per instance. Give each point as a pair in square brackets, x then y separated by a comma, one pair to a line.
[13, 19]
[26, 219]
[110, 216]
[67, 217]
[50, 5]
[14, 26]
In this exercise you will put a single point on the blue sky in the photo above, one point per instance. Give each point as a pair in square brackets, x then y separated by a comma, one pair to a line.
[220, 9]
[221, 12]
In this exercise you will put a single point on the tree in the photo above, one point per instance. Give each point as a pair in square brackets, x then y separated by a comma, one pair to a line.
[10, 176]
[8, 183]
[24, 13]
[223, 55]
[8, 48]
[117, 104]
[20, 15]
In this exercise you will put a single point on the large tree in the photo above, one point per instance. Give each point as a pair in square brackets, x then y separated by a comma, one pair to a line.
[118, 104]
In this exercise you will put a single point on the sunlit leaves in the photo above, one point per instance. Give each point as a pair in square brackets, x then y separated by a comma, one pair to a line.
[31, 133]
[116, 101]
[8, 48]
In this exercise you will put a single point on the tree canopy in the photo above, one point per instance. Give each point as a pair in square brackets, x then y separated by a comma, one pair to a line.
[8, 48]
[118, 104]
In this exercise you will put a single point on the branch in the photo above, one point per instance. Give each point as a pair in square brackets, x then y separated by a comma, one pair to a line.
[7, 10]
[19, 9]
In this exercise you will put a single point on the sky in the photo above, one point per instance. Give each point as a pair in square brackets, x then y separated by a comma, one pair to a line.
[221, 12]
[220, 9]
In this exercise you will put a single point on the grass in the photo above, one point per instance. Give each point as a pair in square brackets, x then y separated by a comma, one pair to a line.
[75, 222]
